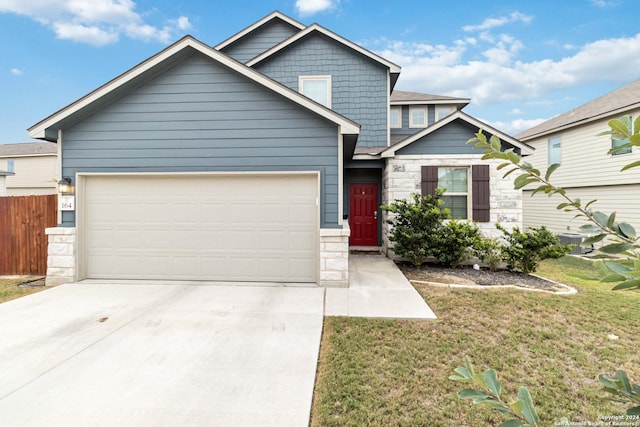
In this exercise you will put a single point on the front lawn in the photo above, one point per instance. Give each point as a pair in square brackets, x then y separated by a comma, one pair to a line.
[395, 372]
[9, 289]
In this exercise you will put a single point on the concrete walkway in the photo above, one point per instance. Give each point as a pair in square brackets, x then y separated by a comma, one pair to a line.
[377, 288]
[150, 354]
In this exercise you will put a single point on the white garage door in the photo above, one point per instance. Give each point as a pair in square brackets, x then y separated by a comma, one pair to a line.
[203, 227]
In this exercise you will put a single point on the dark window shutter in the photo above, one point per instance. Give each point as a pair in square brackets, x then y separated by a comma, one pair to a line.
[429, 181]
[480, 190]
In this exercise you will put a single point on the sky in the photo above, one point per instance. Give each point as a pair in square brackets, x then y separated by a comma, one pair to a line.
[520, 61]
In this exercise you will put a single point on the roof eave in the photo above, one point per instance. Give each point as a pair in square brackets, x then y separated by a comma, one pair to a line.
[40, 129]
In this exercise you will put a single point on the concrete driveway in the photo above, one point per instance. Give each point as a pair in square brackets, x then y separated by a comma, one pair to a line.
[159, 355]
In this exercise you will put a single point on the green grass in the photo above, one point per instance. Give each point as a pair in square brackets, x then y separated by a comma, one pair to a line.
[386, 372]
[9, 289]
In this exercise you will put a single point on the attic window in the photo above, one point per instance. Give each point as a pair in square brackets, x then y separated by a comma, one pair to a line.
[418, 117]
[444, 111]
[317, 88]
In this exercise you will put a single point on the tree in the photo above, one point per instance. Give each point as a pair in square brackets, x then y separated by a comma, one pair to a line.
[624, 240]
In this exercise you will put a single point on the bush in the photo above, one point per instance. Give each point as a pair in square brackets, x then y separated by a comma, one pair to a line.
[526, 249]
[489, 251]
[453, 242]
[415, 225]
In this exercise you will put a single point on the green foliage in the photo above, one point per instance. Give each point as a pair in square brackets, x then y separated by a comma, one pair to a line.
[489, 394]
[454, 239]
[526, 249]
[620, 386]
[415, 225]
[622, 238]
[489, 251]
[420, 231]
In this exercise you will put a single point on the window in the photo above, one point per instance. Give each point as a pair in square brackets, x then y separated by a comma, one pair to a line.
[10, 166]
[444, 111]
[468, 189]
[417, 117]
[616, 143]
[456, 182]
[554, 150]
[395, 117]
[317, 88]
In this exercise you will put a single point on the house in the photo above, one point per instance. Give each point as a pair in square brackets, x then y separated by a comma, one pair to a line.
[32, 168]
[3, 182]
[262, 159]
[586, 169]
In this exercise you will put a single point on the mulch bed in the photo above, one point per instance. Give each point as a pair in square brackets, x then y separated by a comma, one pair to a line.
[467, 275]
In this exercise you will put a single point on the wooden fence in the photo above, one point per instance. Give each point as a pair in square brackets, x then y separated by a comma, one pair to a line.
[23, 243]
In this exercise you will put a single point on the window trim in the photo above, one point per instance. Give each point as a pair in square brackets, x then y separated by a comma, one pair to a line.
[325, 78]
[468, 194]
[398, 111]
[450, 108]
[426, 116]
[626, 140]
[552, 140]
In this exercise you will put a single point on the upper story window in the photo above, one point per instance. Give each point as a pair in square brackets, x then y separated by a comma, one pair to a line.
[444, 111]
[11, 165]
[395, 117]
[616, 143]
[554, 150]
[418, 117]
[317, 88]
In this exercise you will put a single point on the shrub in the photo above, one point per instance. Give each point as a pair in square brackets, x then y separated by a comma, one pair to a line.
[453, 242]
[525, 249]
[489, 251]
[415, 225]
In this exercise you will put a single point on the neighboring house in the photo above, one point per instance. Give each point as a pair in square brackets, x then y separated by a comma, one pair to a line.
[586, 170]
[32, 166]
[3, 182]
[261, 159]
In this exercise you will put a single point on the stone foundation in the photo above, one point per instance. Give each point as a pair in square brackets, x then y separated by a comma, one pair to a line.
[334, 257]
[61, 257]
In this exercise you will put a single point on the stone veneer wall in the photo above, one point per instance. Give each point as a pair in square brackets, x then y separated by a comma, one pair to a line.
[61, 257]
[334, 256]
[402, 176]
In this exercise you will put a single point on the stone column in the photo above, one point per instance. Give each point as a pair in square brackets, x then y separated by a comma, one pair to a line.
[61, 257]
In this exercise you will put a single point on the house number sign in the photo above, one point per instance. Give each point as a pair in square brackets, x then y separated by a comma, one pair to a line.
[66, 203]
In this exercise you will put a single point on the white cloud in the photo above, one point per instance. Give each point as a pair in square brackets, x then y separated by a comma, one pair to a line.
[516, 126]
[604, 3]
[311, 7]
[96, 22]
[516, 112]
[490, 23]
[16, 71]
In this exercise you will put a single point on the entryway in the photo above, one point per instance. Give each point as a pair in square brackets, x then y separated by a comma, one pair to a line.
[363, 214]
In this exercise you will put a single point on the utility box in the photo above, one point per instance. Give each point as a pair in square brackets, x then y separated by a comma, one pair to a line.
[573, 239]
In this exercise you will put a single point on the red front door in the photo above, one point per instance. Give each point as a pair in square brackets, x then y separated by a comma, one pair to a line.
[363, 214]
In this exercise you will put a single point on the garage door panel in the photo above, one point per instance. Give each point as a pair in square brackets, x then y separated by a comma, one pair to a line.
[230, 228]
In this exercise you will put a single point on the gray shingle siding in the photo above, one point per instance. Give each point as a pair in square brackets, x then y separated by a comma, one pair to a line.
[359, 85]
[199, 116]
[259, 41]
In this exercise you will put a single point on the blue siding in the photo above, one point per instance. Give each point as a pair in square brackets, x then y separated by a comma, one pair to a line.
[260, 40]
[200, 116]
[405, 129]
[359, 85]
[451, 139]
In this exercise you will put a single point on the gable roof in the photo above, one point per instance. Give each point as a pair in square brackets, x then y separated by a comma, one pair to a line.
[616, 102]
[27, 149]
[316, 28]
[275, 15]
[47, 128]
[399, 97]
[457, 115]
